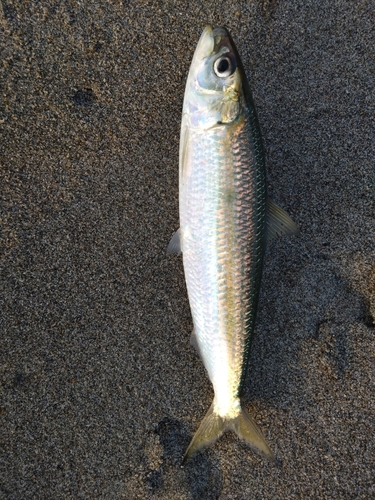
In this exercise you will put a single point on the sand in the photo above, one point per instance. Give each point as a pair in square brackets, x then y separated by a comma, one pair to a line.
[100, 388]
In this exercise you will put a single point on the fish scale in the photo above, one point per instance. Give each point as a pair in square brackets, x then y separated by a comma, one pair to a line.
[223, 199]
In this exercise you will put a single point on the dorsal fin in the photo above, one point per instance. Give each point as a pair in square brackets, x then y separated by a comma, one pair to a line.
[278, 222]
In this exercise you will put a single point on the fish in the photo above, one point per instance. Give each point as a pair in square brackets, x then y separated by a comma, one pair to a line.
[226, 221]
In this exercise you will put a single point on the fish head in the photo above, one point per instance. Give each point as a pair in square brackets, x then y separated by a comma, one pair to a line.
[214, 93]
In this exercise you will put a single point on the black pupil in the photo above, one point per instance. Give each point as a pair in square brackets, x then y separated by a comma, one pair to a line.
[223, 66]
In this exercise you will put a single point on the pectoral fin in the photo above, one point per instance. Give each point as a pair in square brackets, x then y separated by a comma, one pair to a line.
[278, 222]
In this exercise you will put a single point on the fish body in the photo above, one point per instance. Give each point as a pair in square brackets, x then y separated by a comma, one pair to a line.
[224, 215]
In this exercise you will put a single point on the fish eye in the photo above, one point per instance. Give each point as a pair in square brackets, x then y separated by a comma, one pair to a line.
[224, 67]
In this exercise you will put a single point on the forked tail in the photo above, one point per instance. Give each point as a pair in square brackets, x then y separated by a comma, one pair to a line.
[213, 426]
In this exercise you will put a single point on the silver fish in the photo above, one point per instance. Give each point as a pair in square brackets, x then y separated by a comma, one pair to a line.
[225, 220]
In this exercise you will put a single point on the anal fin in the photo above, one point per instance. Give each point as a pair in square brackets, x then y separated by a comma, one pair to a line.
[194, 343]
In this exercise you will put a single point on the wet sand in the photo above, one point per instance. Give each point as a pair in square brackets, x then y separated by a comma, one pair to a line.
[100, 388]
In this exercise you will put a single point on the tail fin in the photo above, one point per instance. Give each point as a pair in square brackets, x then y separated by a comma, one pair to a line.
[213, 426]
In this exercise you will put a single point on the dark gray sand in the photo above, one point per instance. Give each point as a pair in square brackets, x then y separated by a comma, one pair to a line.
[101, 390]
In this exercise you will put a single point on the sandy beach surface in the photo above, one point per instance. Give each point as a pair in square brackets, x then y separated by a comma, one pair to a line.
[100, 389]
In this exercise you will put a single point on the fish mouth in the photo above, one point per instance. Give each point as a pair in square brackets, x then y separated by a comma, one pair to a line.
[211, 38]
[205, 45]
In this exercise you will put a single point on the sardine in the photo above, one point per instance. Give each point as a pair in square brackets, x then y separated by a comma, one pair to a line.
[225, 221]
